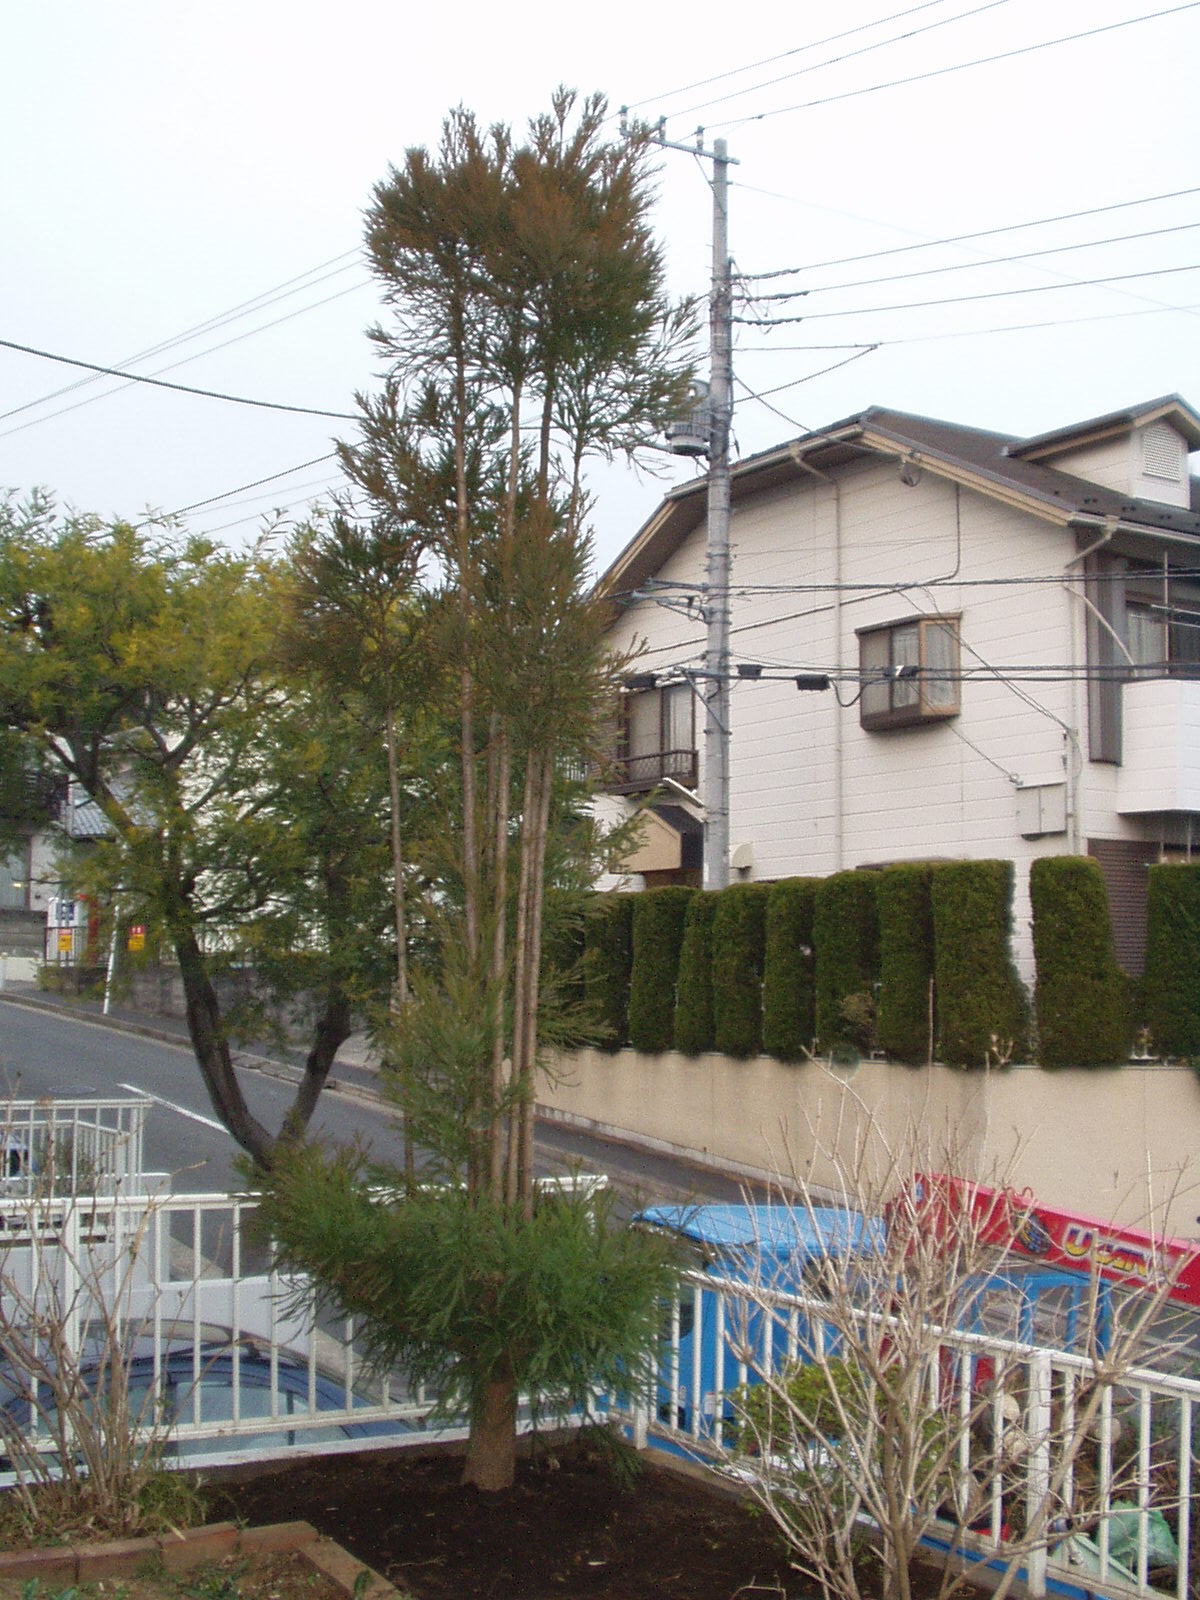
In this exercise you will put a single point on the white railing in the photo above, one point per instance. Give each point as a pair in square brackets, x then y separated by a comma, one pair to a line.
[72, 1146]
[236, 1354]
[722, 1335]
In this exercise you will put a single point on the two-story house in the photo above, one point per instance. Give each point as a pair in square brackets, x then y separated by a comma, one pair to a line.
[1010, 630]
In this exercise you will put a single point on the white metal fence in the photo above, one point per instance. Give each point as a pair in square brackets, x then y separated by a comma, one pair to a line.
[1141, 1451]
[72, 1146]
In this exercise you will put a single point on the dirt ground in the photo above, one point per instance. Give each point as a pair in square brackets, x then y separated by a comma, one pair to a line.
[567, 1530]
[274, 1577]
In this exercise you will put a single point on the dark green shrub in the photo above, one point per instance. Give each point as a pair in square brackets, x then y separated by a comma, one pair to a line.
[905, 961]
[789, 966]
[694, 991]
[1081, 994]
[658, 917]
[1171, 987]
[608, 958]
[846, 938]
[738, 943]
[982, 1006]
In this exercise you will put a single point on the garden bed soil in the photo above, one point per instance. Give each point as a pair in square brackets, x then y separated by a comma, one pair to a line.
[285, 1575]
[568, 1530]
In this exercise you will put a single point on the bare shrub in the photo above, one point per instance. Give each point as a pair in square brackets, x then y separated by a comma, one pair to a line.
[81, 1429]
[895, 1394]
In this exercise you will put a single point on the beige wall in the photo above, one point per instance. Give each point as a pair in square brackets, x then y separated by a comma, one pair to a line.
[1107, 1141]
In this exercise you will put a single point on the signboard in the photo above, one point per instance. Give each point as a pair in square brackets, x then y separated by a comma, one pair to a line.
[66, 941]
[137, 936]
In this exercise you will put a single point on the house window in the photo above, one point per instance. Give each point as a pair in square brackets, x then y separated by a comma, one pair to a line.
[658, 738]
[1163, 629]
[909, 672]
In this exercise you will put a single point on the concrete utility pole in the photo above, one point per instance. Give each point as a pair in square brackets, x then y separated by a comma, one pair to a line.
[716, 657]
[715, 676]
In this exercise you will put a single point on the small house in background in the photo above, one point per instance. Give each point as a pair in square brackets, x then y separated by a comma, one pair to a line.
[1010, 629]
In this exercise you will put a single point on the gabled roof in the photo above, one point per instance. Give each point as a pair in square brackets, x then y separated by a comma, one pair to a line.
[994, 464]
[1170, 407]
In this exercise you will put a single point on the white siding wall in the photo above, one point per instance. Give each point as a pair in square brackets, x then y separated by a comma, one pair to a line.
[943, 790]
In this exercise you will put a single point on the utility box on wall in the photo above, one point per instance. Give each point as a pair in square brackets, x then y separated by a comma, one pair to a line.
[1041, 809]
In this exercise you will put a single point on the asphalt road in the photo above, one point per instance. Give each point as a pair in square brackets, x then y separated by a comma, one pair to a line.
[46, 1052]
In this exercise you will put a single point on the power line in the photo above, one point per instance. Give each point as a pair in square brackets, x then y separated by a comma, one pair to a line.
[848, 55]
[959, 238]
[258, 302]
[179, 388]
[781, 55]
[172, 366]
[256, 483]
[960, 66]
[969, 266]
[966, 299]
[973, 333]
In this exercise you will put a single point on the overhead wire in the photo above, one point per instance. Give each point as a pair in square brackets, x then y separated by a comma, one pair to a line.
[969, 266]
[258, 302]
[847, 55]
[959, 66]
[963, 238]
[781, 55]
[181, 388]
[967, 299]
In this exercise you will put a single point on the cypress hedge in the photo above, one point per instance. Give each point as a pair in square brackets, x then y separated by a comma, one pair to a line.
[1080, 998]
[905, 961]
[846, 937]
[981, 1002]
[694, 990]
[789, 966]
[607, 962]
[738, 944]
[658, 916]
[1171, 987]
[561, 981]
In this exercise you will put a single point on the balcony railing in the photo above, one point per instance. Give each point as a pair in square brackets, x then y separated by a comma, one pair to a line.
[1160, 767]
[632, 774]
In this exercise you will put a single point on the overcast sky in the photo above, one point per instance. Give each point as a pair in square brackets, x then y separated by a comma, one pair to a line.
[165, 166]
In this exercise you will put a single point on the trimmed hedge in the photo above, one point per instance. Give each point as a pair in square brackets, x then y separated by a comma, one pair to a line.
[738, 944]
[694, 990]
[658, 916]
[846, 937]
[1081, 993]
[608, 959]
[905, 961]
[980, 997]
[1171, 987]
[562, 967]
[789, 968]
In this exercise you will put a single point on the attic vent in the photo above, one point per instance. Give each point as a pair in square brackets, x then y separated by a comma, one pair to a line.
[1162, 452]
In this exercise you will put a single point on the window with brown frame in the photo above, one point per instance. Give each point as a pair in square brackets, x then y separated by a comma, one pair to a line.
[658, 738]
[909, 671]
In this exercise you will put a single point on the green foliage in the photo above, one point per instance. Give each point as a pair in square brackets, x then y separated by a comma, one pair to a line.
[463, 1292]
[1171, 986]
[905, 961]
[658, 917]
[846, 936]
[825, 1395]
[789, 968]
[982, 1006]
[738, 949]
[564, 920]
[694, 1029]
[1081, 997]
[609, 960]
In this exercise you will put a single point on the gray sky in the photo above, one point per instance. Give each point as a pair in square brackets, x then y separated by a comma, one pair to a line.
[163, 165]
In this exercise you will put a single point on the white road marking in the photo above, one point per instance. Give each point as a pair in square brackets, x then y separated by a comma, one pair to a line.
[169, 1105]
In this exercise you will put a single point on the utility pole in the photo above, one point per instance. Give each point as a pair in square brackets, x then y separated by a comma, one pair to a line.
[715, 787]
[716, 657]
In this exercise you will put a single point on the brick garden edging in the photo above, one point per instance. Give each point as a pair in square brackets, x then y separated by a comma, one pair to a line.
[178, 1552]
